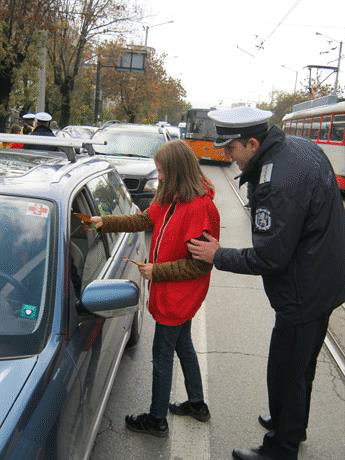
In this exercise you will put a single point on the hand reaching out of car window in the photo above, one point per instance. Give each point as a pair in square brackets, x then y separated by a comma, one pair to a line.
[97, 221]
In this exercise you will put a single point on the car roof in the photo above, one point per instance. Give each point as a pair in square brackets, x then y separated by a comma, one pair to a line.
[81, 126]
[43, 173]
[132, 127]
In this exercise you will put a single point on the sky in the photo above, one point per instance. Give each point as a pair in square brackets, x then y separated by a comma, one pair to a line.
[225, 52]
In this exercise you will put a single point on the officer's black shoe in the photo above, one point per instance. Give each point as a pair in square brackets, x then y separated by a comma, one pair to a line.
[199, 411]
[147, 423]
[266, 422]
[252, 454]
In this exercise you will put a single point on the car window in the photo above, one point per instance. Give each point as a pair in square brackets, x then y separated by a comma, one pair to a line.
[25, 235]
[88, 254]
[139, 144]
[124, 198]
[107, 201]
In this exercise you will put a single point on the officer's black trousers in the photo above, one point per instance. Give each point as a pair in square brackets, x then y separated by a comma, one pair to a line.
[293, 353]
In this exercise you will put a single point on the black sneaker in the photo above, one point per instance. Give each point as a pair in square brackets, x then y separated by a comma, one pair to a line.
[147, 423]
[186, 408]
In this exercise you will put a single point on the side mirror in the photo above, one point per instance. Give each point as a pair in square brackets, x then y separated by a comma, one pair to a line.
[110, 298]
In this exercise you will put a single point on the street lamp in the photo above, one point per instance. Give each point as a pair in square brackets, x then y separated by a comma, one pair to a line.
[150, 27]
[296, 72]
[339, 58]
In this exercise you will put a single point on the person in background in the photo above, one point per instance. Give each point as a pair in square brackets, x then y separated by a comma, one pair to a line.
[41, 124]
[28, 123]
[182, 209]
[15, 129]
[54, 126]
[42, 128]
[298, 235]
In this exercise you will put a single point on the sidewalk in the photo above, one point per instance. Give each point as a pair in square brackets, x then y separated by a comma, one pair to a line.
[239, 324]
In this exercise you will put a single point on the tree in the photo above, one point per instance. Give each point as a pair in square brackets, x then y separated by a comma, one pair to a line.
[20, 23]
[76, 24]
[282, 104]
[140, 97]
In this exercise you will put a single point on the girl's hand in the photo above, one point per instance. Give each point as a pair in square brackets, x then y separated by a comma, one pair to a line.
[97, 221]
[146, 271]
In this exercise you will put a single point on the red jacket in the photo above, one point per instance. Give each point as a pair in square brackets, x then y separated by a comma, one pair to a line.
[174, 302]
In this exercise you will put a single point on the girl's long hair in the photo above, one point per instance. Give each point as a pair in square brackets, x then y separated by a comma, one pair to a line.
[183, 178]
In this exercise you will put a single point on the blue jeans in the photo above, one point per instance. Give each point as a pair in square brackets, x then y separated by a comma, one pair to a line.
[167, 340]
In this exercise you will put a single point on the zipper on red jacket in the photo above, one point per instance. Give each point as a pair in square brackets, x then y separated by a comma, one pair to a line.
[167, 218]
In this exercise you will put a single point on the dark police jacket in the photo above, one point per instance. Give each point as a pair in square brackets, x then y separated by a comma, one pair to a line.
[298, 229]
[42, 130]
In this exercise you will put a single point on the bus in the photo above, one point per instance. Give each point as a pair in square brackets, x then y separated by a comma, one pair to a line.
[201, 134]
[321, 120]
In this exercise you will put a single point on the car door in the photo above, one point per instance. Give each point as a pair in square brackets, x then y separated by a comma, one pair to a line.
[96, 344]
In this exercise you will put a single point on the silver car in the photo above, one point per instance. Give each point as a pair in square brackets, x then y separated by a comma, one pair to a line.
[130, 148]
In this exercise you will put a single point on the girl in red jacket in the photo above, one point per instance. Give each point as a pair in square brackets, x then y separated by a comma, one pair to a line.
[182, 209]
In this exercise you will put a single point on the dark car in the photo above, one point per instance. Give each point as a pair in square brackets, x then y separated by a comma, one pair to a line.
[70, 301]
[130, 148]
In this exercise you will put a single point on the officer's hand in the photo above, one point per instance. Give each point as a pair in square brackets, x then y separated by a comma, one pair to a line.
[204, 250]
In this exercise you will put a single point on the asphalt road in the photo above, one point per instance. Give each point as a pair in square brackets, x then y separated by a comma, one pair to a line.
[231, 334]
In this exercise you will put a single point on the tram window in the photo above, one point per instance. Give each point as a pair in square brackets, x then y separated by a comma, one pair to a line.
[306, 129]
[286, 127]
[293, 128]
[299, 130]
[337, 129]
[315, 126]
[325, 124]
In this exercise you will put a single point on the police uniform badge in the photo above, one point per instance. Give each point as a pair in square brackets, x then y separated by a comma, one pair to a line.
[266, 173]
[263, 220]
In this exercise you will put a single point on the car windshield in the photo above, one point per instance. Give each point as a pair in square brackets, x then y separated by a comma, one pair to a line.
[137, 144]
[24, 242]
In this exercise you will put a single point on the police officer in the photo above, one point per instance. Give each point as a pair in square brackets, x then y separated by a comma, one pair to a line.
[42, 128]
[41, 124]
[28, 121]
[298, 235]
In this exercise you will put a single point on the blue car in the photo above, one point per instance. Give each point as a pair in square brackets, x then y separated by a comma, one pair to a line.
[70, 300]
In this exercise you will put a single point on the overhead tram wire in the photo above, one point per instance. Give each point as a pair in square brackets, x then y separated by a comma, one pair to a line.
[261, 45]
[295, 4]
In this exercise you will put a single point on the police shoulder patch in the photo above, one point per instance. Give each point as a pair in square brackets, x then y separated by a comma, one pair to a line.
[263, 220]
[266, 173]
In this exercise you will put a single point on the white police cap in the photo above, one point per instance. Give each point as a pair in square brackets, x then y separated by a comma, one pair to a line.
[28, 116]
[239, 122]
[43, 116]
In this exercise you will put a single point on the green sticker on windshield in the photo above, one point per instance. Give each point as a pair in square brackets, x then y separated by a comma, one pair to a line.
[28, 312]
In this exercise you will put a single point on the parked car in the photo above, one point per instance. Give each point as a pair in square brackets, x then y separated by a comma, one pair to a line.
[130, 148]
[70, 300]
[162, 124]
[173, 132]
[77, 131]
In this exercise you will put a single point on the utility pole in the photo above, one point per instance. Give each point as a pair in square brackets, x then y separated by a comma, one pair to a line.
[97, 91]
[42, 76]
[338, 67]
